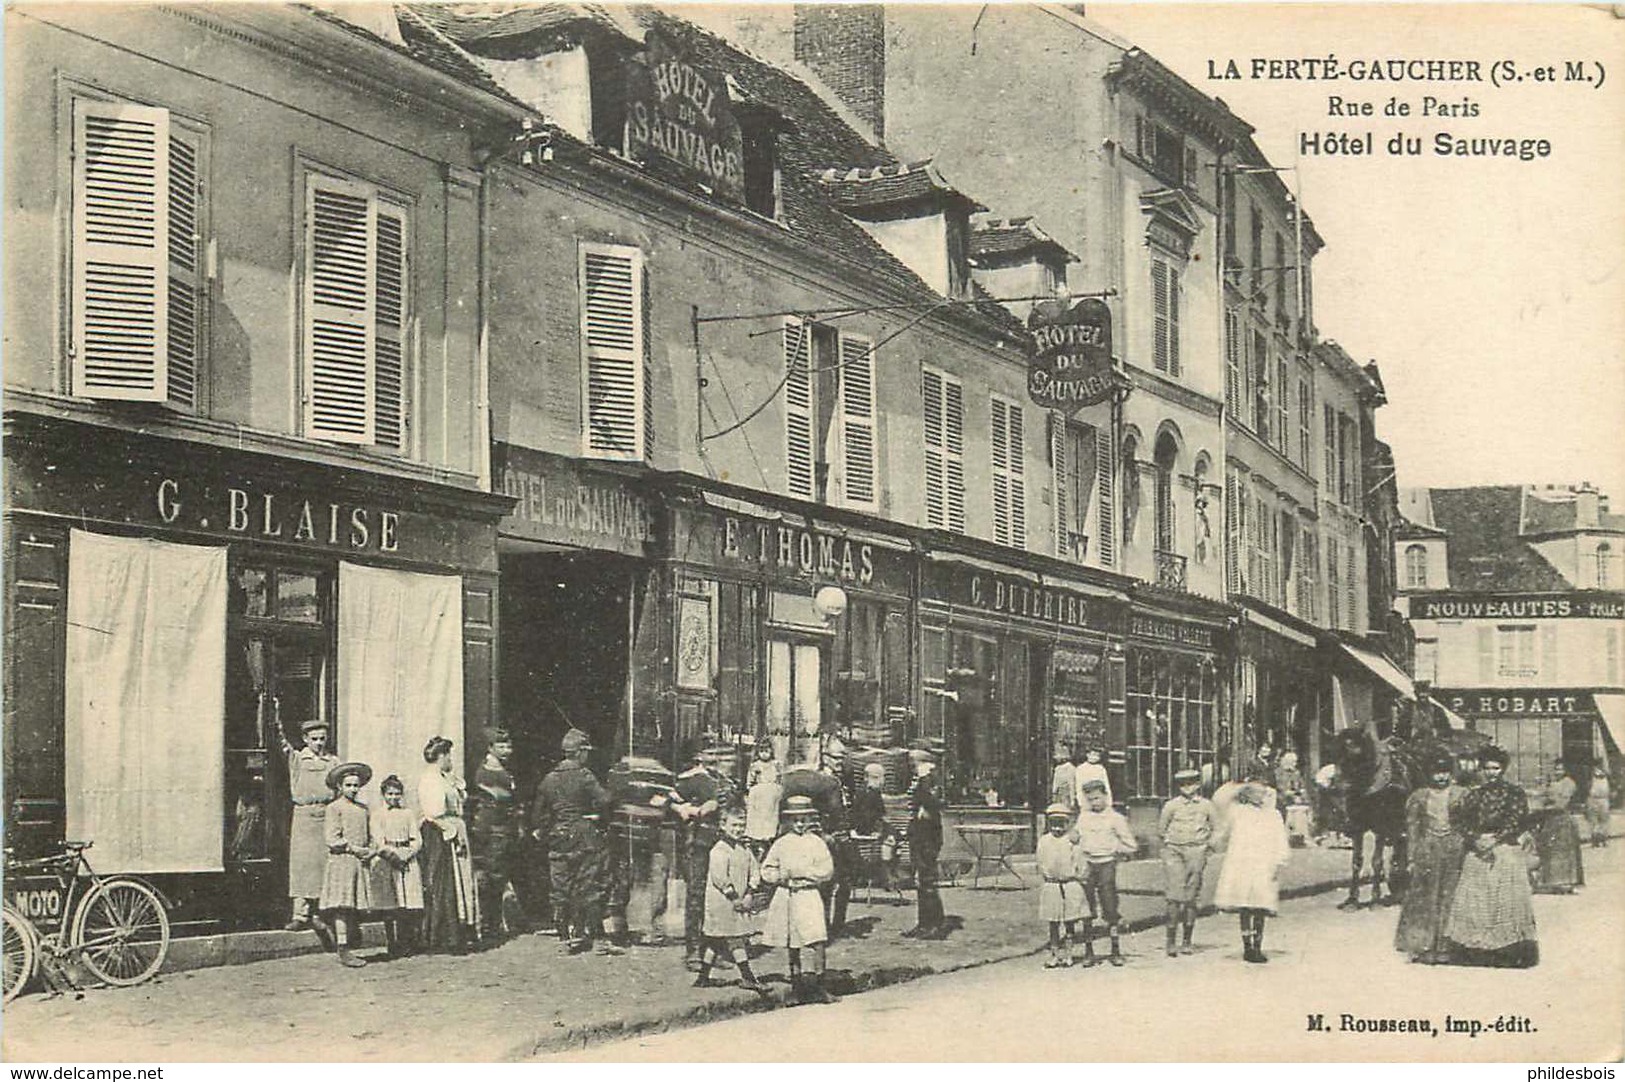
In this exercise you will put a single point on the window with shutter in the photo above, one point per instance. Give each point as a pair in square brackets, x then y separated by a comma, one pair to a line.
[859, 447]
[1232, 363]
[1009, 474]
[1334, 589]
[1283, 407]
[614, 366]
[1352, 585]
[1061, 479]
[1306, 419]
[1106, 513]
[357, 313]
[944, 412]
[1263, 391]
[1328, 429]
[1232, 534]
[137, 305]
[1165, 328]
[798, 409]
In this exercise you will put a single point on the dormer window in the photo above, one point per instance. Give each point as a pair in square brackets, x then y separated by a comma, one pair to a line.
[759, 128]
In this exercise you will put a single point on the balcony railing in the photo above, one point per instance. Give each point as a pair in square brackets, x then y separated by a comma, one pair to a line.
[1171, 571]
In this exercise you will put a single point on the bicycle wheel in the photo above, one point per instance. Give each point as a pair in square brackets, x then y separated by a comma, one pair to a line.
[19, 953]
[121, 930]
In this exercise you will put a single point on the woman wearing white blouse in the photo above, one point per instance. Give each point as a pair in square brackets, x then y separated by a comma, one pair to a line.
[450, 908]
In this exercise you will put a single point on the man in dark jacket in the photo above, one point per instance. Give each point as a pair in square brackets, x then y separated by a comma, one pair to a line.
[925, 846]
[703, 792]
[495, 831]
[567, 814]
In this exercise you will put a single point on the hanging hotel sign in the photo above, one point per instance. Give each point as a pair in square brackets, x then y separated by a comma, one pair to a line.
[1071, 366]
[1522, 702]
[1599, 605]
[678, 113]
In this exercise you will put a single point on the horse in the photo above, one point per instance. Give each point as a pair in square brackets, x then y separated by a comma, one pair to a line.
[1375, 788]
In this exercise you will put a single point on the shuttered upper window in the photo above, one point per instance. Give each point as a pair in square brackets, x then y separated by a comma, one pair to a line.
[137, 306]
[1007, 437]
[357, 312]
[944, 401]
[1165, 316]
[615, 378]
[800, 458]
[859, 466]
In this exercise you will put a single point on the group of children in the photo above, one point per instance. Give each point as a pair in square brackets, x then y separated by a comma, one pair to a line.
[796, 866]
[372, 862]
[1078, 862]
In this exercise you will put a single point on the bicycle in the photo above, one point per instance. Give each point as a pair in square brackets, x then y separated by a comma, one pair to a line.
[116, 926]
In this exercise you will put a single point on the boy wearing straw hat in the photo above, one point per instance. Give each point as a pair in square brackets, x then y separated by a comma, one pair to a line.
[1187, 825]
[798, 864]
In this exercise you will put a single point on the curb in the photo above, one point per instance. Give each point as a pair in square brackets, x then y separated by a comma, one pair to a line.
[571, 1038]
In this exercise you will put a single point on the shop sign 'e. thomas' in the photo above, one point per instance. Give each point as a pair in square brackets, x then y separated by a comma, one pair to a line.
[1071, 365]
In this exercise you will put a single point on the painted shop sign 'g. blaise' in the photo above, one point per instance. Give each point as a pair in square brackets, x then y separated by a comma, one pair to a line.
[276, 516]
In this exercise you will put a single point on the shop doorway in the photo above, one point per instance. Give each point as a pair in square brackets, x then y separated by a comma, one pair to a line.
[795, 699]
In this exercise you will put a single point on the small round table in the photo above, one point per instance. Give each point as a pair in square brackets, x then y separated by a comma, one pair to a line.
[992, 842]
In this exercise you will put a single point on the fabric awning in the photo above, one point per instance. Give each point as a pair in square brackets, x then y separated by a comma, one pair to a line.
[1612, 709]
[1382, 669]
[1452, 719]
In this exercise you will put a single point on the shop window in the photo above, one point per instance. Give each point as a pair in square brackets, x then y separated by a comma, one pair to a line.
[1531, 743]
[1007, 436]
[357, 309]
[738, 645]
[1515, 650]
[1075, 699]
[278, 675]
[1171, 718]
[985, 720]
[617, 409]
[138, 301]
[944, 412]
[871, 671]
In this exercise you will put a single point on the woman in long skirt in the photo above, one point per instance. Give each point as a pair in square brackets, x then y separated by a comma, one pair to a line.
[1557, 839]
[1492, 917]
[1435, 858]
[450, 908]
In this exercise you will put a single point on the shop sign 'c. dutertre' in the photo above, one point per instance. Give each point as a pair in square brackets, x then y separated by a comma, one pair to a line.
[1071, 366]
[678, 113]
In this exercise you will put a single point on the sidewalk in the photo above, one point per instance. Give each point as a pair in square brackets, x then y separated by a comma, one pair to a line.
[526, 997]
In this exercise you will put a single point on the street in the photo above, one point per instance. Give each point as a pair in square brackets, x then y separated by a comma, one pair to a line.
[524, 998]
[1212, 1007]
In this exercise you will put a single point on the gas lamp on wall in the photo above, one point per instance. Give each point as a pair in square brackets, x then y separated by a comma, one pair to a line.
[829, 602]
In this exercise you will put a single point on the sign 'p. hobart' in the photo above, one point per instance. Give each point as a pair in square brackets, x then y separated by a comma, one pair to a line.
[1071, 366]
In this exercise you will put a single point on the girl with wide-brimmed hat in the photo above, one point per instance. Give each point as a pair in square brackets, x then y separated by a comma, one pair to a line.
[346, 889]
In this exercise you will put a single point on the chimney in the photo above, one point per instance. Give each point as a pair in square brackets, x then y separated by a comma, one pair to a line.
[377, 19]
[845, 45]
[1585, 507]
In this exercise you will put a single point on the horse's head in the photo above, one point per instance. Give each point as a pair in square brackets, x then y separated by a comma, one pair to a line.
[1355, 754]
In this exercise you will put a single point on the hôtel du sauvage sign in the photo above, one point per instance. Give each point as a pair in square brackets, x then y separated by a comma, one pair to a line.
[678, 113]
[1071, 366]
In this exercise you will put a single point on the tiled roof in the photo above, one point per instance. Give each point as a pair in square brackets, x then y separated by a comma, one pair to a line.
[815, 138]
[423, 45]
[890, 186]
[995, 237]
[1486, 551]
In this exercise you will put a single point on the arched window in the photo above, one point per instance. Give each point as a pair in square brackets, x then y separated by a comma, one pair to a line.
[1167, 452]
[1605, 559]
[1131, 487]
[1416, 567]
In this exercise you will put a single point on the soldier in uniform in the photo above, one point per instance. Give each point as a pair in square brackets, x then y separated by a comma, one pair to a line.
[567, 814]
[703, 792]
[308, 767]
[495, 832]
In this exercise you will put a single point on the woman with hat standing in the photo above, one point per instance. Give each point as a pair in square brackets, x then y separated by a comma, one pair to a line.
[1557, 839]
[451, 913]
[346, 889]
[797, 865]
[1435, 862]
[1492, 917]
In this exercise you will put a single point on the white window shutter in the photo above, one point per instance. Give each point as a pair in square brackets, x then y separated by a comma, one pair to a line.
[1060, 474]
[612, 333]
[390, 308]
[798, 409]
[1159, 314]
[953, 425]
[185, 308]
[1173, 321]
[1106, 505]
[120, 243]
[931, 398]
[999, 439]
[1232, 535]
[340, 250]
[858, 444]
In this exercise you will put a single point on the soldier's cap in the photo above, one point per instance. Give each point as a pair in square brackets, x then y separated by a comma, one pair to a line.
[1441, 761]
[310, 725]
[1094, 785]
[574, 741]
[1187, 774]
[497, 736]
[344, 770]
[799, 805]
[1058, 811]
